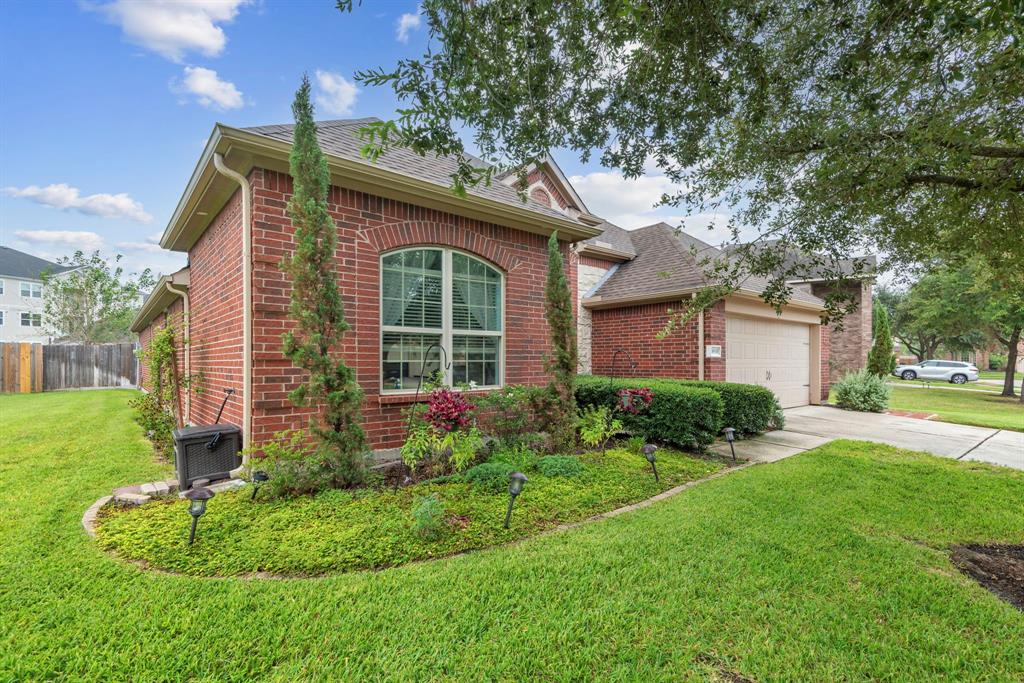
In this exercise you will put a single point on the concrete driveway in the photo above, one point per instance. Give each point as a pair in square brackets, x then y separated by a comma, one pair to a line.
[811, 426]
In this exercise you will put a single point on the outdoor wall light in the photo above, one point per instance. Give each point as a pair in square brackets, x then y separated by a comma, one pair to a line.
[730, 436]
[258, 477]
[649, 450]
[515, 487]
[197, 497]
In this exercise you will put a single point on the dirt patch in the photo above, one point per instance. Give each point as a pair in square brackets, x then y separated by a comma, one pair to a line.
[910, 413]
[721, 671]
[999, 568]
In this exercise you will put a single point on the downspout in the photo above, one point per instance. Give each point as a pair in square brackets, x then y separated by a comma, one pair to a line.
[243, 183]
[183, 293]
[700, 341]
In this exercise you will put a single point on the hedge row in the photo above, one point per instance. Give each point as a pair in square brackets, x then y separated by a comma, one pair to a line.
[749, 409]
[678, 414]
[684, 412]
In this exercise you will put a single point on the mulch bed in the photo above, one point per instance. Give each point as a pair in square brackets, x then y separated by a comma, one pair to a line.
[999, 568]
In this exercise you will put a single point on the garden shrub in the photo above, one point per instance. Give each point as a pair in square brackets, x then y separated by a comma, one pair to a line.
[862, 390]
[428, 517]
[157, 422]
[489, 476]
[597, 425]
[635, 443]
[680, 414]
[560, 466]
[511, 413]
[442, 438]
[519, 456]
[747, 408]
[293, 465]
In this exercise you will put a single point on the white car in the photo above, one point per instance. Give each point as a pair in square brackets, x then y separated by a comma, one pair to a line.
[947, 370]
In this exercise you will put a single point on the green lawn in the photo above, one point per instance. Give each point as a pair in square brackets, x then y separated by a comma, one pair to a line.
[1000, 375]
[831, 565]
[963, 407]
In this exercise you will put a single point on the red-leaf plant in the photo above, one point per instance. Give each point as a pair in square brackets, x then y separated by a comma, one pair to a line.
[634, 400]
[448, 410]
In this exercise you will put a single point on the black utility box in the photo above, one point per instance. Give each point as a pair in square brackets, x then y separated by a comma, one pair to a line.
[209, 452]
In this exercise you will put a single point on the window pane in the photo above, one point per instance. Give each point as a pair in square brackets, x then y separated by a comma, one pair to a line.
[476, 295]
[475, 359]
[403, 360]
[411, 283]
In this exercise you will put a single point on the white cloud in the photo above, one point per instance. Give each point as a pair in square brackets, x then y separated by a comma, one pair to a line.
[209, 90]
[73, 240]
[150, 246]
[66, 198]
[337, 95]
[406, 23]
[626, 203]
[172, 28]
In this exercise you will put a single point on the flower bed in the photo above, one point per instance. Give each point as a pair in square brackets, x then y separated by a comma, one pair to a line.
[370, 528]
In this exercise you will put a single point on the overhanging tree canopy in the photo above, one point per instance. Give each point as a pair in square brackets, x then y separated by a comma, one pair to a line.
[895, 127]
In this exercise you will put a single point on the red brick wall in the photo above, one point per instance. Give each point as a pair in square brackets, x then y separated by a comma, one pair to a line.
[215, 298]
[595, 262]
[215, 272]
[368, 226]
[559, 200]
[635, 329]
[849, 345]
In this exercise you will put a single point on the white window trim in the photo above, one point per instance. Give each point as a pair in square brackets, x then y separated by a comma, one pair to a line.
[30, 285]
[31, 315]
[3, 286]
[446, 332]
[3, 317]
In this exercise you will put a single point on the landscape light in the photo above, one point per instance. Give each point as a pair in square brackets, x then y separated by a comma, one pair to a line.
[515, 487]
[730, 436]
[648, 450]
[258, 477]
[197, 497]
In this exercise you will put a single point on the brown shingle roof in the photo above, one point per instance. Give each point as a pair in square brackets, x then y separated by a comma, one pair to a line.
[341, 138]
[802, 269]
[613, 237]
[665, 264]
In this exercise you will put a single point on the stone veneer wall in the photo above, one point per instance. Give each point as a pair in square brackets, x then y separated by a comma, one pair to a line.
[589, 271]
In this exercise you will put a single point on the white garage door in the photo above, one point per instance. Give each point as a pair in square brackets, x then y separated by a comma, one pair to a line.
[773, 353]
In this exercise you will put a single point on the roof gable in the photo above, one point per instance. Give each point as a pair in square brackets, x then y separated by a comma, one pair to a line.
[667, 264]
[14, 263]
[341, 138]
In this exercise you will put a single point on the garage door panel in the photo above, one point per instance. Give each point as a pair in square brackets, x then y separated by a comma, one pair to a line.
[771, 353]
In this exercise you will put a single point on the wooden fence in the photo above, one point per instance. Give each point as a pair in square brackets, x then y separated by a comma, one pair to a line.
[28, 367]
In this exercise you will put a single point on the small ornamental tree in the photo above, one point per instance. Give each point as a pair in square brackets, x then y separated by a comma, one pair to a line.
[562, 364]
[881, 361]
[318, 311]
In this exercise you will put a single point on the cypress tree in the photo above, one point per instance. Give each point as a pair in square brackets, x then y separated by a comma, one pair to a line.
[881, 360]
[318, 311]
[562, 364]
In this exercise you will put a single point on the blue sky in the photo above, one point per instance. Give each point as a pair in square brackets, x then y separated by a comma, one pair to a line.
[105, 107]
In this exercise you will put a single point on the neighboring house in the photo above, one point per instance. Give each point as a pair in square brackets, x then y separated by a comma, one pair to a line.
[421, 269]
[21, 296]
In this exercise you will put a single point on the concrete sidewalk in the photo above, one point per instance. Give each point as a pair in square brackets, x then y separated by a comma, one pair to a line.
[811, 426]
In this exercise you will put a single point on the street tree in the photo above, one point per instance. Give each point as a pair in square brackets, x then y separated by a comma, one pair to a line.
[894, 128]
[90, 301]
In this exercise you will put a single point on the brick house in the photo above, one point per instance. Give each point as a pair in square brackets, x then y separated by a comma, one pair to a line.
[434, 281]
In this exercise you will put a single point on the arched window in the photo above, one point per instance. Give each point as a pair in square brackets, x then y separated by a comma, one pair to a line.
[433, 296]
